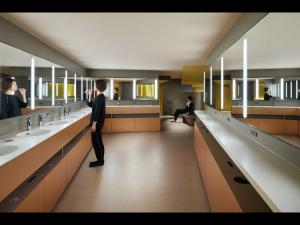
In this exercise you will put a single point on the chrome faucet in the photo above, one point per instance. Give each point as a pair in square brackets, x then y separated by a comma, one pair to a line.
[28, 123]
[69, 110]
[65, 112]
[40, 118]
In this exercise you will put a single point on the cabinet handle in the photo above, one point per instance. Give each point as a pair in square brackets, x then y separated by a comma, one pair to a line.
[31, 179]
[230, 164]
[241, 180]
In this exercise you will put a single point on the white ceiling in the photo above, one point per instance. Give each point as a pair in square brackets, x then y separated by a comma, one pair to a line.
[148, 41]
[272, 44]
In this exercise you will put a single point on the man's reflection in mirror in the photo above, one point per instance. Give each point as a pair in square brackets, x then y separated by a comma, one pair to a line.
[12, 98]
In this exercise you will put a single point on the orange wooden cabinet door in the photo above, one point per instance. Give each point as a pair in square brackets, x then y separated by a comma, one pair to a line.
[55, 183]
[35, 201]
[229, 202]
[107, 126]
[212, 182]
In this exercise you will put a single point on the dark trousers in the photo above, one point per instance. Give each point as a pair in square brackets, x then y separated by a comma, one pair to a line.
[178, 112]
[98, 145]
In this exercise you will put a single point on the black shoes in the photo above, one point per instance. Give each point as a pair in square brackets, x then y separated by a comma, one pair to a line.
[96, 163]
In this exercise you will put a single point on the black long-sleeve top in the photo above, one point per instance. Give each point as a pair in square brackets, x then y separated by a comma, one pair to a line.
[190, 108]
[10, 106]
[98, 110]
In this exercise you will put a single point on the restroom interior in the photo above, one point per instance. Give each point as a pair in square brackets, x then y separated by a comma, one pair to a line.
[216, 163]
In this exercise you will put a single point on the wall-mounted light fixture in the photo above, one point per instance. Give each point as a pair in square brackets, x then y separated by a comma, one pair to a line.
[134, 89]
[245, 78]
[111, 89]
[203, 86]
[53, 85]
[46, 89]
[75, 80]
[56, 89]
[40, 88]
[222, 83]
[66, 87]
[234, 89]
[210, 87]
[256, 88]
[32, 81]
[156, 88]
[296, 89]
[286, 85]
[81, 88]
[291, 89]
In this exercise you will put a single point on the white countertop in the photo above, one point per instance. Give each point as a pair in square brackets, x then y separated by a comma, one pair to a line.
[25, 143]
[131, 106]
[266, 106]
[277, 181]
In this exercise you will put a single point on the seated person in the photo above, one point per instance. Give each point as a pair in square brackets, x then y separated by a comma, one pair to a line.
[116, 94]
[267, 97]
[11, 104]
[190, 107]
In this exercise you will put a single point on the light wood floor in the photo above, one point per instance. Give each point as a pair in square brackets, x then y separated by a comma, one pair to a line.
[143, 172]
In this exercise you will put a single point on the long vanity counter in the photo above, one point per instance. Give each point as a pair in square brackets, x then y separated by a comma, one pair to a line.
[132, 118]
[37, 165]
[275, 180]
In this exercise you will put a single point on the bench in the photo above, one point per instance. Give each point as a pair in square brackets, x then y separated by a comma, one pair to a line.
[188, 119]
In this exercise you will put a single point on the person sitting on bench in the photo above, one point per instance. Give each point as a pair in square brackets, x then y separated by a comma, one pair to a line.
[190, 107]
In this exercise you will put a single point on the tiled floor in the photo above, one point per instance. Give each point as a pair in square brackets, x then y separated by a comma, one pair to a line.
[143, 172]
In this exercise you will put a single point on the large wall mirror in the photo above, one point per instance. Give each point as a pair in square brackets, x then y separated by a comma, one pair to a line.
[265, 68]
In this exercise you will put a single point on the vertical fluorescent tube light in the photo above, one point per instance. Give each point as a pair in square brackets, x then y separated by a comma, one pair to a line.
[94, 88]
[296, 89]
[256, 88]
[81, 88]
[111, 89]
[46, 89]
[286, 89]
[134, 89]
[53, 87]
[210, 87]
[222, 83]
[75, 80]
[156, 88]
[291, 89]
[234, 89]
[56, 89]
[203, 86]
[245, 77]
[32, 81]
[40, 88]
[66, 87]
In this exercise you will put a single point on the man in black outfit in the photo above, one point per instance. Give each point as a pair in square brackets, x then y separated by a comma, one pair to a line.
[97, 121]
[190, 107]
[267, 97]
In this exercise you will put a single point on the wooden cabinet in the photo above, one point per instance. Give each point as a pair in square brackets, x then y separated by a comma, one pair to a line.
[219, 193]
[147, 124]
[107, 126]
[123, 125]
[35, 201]
[55, 183]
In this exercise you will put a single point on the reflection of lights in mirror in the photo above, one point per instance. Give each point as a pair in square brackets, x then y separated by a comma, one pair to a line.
[56, 90]
[286, 89]
[66, 87]
[256, 88]
[32, 77]
[75, 87]
[210, 87]
[203, 86]
[81, 88]
[156, 89]
[53, 80]
[281, 88]
[245, 77]
[111, 89]
[233, 89]
[134, 89]
[291, 89]
[222, 83]
[296, 89]
[46, 89]
[40, 87]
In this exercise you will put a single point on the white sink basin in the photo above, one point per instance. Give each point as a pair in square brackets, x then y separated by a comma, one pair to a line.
[58, 122]
[5, 150]
[33, 133]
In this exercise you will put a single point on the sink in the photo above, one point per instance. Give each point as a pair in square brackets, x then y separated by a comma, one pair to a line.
[58, 122]
[33, 133]
[5, 150]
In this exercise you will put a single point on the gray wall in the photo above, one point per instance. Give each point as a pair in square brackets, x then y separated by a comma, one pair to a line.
[12, 35]
[122, 73]
[175, 96]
